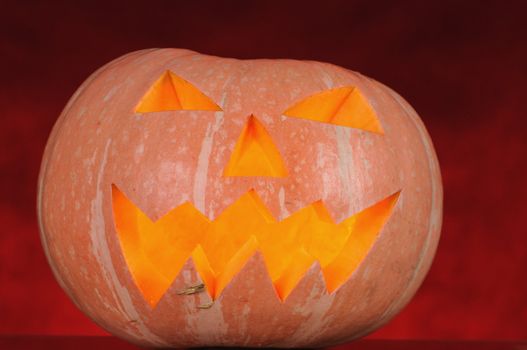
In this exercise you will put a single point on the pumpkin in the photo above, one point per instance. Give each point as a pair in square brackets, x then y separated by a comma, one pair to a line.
[188, 200]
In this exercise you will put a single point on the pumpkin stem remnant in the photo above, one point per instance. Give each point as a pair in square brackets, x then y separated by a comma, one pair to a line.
[206, 306]
[194, 289]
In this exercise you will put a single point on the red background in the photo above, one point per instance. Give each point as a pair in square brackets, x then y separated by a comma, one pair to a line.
[461, 64]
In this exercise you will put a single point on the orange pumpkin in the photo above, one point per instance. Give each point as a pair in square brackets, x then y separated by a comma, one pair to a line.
[190, 200]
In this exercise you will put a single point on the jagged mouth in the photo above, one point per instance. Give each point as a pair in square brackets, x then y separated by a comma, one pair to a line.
[155, 252]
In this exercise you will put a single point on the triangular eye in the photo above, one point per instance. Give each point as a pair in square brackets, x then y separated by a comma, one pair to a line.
[172, 93]
[255, 153]
[345, 106]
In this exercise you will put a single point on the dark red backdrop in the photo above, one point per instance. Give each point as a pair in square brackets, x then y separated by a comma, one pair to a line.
[462, 65]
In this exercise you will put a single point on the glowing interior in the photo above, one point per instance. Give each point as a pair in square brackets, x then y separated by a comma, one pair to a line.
[156, 251]
[172, 93]
[255, 153]
[345, 106]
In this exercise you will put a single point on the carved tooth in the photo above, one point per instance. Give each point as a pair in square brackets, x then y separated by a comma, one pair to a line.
[293, 273]
[185, 288]
[234, 266]
[310, 287]
[252, 282]
[364, 228]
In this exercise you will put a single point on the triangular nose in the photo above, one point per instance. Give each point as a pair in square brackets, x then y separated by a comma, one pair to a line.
[255, 153]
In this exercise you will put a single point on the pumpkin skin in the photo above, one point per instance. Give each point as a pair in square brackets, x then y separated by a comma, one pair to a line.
[163, 159]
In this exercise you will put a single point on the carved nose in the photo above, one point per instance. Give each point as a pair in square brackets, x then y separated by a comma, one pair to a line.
[255, 153]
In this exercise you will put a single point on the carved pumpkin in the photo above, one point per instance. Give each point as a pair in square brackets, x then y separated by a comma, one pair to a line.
[189, 200]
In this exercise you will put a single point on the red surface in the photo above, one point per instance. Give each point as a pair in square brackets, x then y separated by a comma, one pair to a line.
[462, 65]
[89, 343]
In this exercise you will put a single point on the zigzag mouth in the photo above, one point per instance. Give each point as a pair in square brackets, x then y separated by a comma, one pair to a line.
[155, 252]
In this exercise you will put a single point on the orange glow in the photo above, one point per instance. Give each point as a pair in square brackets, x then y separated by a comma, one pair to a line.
[172, 93]
[255, 153]
[156, 251]
[345, 106]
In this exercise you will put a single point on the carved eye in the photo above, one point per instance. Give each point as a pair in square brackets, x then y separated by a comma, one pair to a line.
[172, 93]
[345, 106]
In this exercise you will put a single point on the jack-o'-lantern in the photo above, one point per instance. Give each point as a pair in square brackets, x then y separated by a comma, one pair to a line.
[189, 200]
